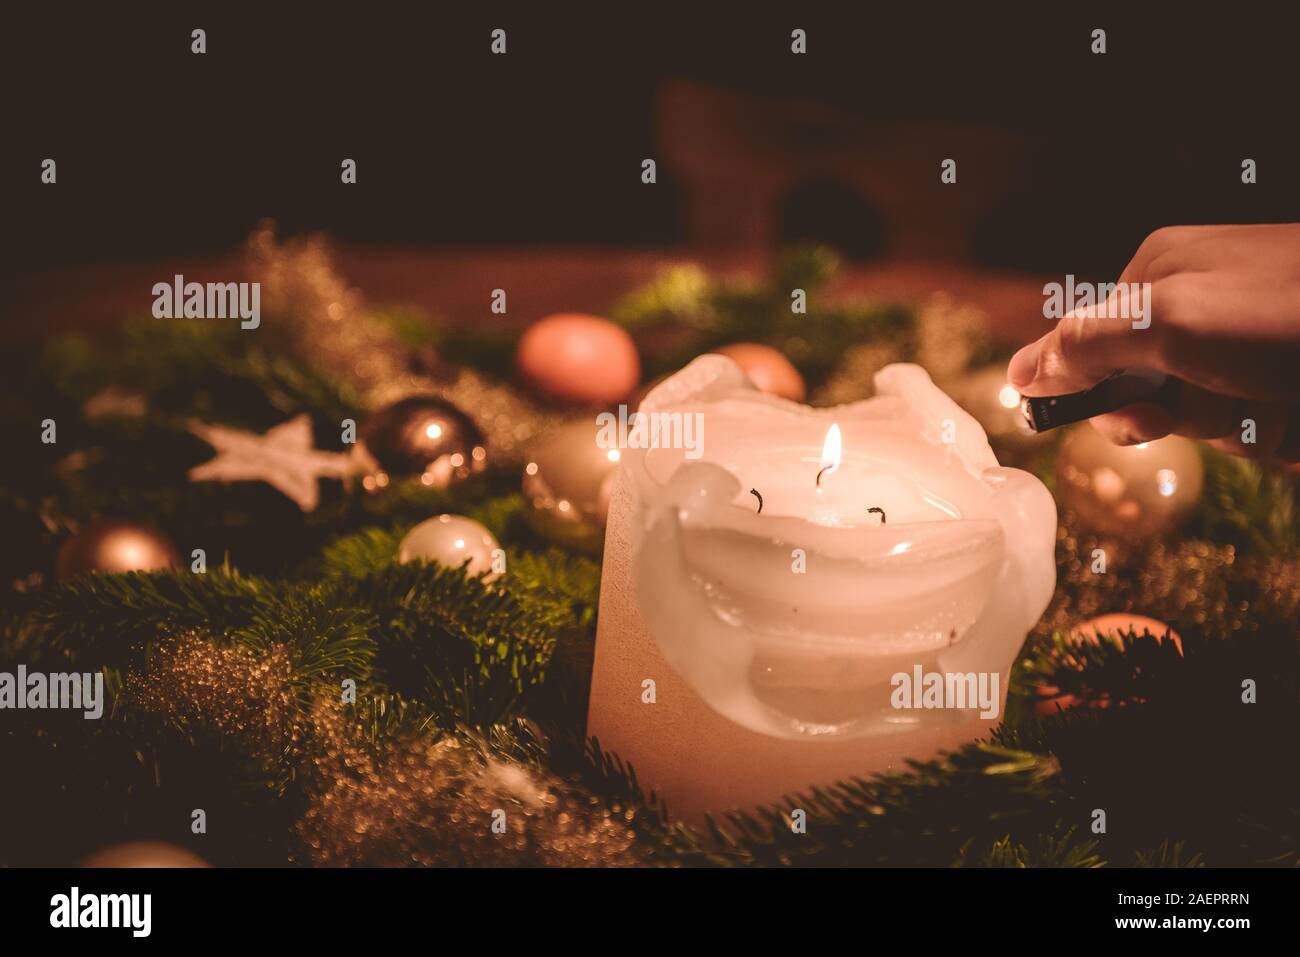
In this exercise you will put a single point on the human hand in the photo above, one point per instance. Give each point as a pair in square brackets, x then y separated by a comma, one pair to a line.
[1224, 311]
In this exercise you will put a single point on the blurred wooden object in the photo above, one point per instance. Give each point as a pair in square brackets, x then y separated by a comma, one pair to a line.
[739, 156]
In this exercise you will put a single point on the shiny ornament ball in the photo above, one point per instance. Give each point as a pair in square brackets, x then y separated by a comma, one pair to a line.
[568, 481]
[580, 359]
[1129, 491]
[113, 547]
[767, 368]
[424, 436]
[144, 854]
[451, 540]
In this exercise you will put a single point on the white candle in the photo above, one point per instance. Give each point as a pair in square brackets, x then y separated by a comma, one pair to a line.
[771, 640]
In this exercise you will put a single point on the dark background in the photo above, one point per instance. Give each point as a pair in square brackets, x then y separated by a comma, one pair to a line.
[161, 152]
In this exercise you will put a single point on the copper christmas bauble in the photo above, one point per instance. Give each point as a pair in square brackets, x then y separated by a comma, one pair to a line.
[767, 368]
[1129, 491]
[114, 547]
[424, 436]
[580, 359]
[1119, 623]
[144, 854]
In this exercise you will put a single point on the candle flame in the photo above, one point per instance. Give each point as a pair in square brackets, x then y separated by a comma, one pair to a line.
[831, 450]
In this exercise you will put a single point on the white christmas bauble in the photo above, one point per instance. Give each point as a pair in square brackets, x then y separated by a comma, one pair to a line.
[451, 540]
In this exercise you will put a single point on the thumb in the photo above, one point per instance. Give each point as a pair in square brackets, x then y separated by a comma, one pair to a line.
[1086, 346]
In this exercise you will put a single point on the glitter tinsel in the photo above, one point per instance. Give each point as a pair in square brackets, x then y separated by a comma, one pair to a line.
[851, 382]
[411, 800]
[948, 335]
[329, 326]
[945, 339]
[1190, 584]
[428, 802]
[233, 691]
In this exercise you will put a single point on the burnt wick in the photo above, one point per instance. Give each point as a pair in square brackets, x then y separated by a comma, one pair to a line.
[824, 468]
[880, 510]
[754, 492]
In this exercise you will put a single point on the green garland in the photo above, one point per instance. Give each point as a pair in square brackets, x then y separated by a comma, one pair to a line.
[683, 313]
[1185, 773]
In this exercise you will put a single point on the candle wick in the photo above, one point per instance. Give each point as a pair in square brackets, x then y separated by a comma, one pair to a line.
[821, 473]
[880, 510]
[754, 492]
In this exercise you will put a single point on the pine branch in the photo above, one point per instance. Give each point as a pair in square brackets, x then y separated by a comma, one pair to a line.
[961, 804]
[471, 649]
[1061, 848]
[693, 314]
[558, 580]
[361, 553]
[101, 619]
[607, 777]
[1168, 854]
[565, 587]
[1107, 668]
[1249, 505]
[1180, 752]
[323, 636]
[182, 365]
[1119, 668]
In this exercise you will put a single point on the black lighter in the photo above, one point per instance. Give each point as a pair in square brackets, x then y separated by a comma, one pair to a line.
[1109, 395]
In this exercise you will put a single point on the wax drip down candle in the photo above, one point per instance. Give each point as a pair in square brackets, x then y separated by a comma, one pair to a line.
[816, 594]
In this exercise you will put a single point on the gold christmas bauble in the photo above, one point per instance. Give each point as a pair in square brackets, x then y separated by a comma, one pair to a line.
[144, 854]
[1129, 491]
[112, 547]
[568, 481]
